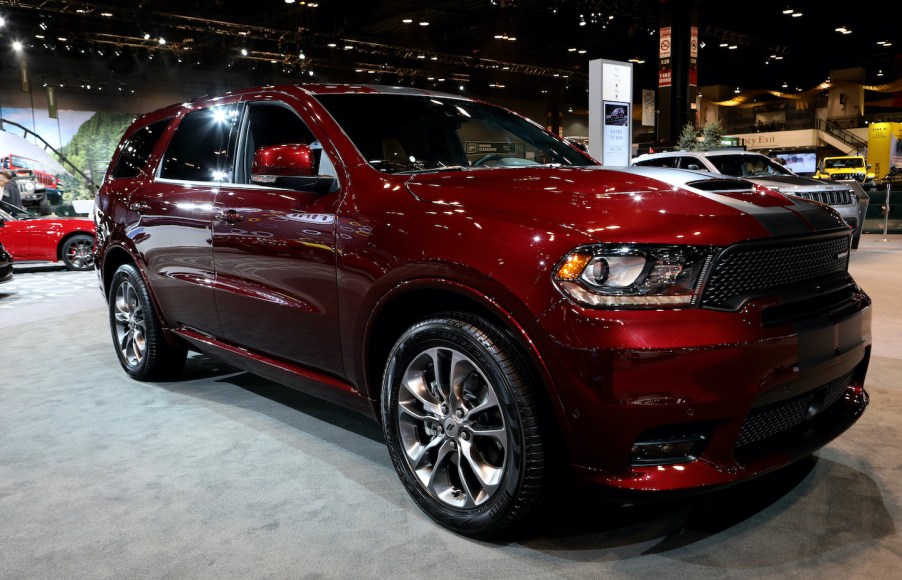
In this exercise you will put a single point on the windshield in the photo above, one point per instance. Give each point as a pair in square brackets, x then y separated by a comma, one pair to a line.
[404, 133]
[747, 165]
[844, 163]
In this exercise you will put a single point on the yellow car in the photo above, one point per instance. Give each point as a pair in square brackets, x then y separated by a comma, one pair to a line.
[846, 167]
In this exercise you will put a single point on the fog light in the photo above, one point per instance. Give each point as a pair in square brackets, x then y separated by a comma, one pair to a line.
[666, 451]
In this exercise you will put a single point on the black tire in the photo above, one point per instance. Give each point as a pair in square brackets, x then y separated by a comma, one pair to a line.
[472, 456]
[137, 335]
[44, 207]
[77, 252]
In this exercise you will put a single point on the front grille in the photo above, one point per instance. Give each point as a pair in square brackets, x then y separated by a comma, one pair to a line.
[828, 197]
[847, 176]
[758, 269]
[772, 420]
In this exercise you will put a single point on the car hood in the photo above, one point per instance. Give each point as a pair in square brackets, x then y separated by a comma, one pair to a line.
[796, 183]
[637, 204]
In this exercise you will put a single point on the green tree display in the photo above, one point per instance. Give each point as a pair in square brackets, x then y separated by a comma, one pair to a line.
[691, 139]
[91, 149]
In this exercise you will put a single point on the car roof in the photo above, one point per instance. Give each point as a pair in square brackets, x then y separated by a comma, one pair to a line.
[312, 89]
[708, 153]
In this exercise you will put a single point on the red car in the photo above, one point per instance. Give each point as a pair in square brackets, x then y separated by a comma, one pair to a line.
[509, 311]
[47, 239]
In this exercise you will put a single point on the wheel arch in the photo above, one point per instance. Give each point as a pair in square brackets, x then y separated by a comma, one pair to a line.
[114, 257]
[419, 299]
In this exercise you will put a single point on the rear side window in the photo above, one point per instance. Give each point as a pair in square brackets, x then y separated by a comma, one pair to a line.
[199, 149]
[136, 150]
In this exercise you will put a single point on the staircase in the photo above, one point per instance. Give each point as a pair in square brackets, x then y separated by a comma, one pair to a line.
[840, 138]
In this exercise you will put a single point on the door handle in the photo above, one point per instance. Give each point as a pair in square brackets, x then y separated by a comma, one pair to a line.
[139, 206]
[229, 216]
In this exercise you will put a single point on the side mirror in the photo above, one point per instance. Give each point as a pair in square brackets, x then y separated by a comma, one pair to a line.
[288, 166]
[692, 167]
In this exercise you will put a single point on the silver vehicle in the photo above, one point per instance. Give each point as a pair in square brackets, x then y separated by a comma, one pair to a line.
[32, 192]
[851, 203]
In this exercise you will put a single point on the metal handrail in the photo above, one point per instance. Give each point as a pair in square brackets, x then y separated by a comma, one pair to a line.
[62, 158]
[843, 135]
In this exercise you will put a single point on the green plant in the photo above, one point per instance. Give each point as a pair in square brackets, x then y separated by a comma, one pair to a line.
[691, 139]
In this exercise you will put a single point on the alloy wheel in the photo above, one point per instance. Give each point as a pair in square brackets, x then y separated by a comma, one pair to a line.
[131, 327]
[452, 428]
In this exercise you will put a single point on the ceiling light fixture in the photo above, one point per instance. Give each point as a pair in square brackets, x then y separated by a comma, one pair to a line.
[788, 11]
[407, 21]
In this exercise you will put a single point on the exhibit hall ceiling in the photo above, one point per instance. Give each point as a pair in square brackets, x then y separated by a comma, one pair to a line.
[522, 48]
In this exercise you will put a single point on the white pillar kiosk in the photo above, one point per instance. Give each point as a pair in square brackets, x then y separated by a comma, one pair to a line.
[610, 111]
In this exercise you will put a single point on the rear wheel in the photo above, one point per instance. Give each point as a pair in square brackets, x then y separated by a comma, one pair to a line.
[140, 344]
[461, 425]
[77, 252]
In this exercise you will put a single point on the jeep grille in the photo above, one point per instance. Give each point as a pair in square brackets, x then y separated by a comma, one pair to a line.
[828, 197]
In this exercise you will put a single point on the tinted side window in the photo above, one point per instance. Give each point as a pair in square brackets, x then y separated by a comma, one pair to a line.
[728, 165]
[136, 150]
[199, 148]
[692, 163]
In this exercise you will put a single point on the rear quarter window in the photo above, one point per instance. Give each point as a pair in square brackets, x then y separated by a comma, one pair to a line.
[136, 150]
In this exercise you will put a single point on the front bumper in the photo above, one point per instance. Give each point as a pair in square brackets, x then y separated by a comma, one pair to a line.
[756, 398]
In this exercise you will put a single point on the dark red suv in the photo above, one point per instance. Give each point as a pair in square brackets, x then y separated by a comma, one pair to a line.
[508, 310]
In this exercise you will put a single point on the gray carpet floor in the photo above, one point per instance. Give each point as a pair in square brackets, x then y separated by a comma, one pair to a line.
[226, 475]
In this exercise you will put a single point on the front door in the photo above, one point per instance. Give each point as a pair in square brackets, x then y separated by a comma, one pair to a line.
[275, 253]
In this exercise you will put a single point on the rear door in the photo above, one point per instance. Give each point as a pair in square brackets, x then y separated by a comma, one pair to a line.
[173, 215]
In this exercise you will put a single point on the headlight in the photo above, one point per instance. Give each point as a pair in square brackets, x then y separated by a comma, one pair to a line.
[28, 186]
[607, 276]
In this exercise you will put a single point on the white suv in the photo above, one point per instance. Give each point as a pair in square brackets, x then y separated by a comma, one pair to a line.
[851, 203]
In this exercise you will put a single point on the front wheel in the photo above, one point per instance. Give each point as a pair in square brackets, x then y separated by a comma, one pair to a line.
[137, 334]
[461, 425]
[77, 252]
